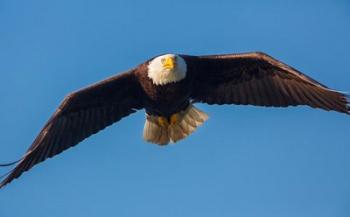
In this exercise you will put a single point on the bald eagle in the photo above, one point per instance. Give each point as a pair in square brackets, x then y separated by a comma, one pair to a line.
[167, 86]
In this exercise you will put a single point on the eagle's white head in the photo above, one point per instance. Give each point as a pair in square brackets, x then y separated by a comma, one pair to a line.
[167, 69]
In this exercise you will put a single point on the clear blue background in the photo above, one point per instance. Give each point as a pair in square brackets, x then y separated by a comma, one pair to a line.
[245, 161]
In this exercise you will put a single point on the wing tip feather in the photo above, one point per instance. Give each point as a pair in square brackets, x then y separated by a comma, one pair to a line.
[6, 180]
[347, 98]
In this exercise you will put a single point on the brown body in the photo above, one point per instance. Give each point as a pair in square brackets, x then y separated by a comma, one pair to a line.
[164, 100]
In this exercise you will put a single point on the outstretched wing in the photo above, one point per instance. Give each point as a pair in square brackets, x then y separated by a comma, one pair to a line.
[80, 115]
[258, 79]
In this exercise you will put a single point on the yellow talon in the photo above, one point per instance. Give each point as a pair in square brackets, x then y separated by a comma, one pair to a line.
[163, 122]
[174, 118]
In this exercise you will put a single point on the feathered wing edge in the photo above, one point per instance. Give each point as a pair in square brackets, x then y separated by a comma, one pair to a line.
[41, 153]
[259, 79]
[342, 104]
[81, 115]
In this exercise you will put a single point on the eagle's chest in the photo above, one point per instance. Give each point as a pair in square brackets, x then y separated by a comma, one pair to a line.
[169, 93]
[166, 99]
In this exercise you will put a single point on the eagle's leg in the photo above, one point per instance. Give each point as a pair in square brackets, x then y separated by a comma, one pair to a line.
[175, 118]
[163, 121]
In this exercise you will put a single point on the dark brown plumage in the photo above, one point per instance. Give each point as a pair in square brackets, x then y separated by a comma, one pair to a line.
[80, 115]
[250, 78]
[167, 99]
[258, 79]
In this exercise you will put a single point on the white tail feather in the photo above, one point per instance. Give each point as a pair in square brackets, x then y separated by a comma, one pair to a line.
[188, 121]
[155, 133]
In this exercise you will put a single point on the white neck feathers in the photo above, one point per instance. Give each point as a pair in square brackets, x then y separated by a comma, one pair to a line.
[161, 76]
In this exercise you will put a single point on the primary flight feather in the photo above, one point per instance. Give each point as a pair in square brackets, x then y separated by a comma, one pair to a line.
[167, 86]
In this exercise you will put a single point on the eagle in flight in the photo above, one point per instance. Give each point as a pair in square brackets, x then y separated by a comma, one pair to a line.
[167, 87]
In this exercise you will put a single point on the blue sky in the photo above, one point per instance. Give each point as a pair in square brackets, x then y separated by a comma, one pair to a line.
[245, 161]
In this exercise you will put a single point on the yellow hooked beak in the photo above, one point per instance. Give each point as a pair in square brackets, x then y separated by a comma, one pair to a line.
[169, 63]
